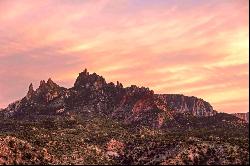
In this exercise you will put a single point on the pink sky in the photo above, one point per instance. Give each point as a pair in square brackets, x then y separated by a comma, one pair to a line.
[193, 47]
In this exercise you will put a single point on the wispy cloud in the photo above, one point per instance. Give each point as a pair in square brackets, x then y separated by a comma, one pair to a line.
[194, 47]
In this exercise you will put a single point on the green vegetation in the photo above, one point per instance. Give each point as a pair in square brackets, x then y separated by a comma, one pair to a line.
[84, 140]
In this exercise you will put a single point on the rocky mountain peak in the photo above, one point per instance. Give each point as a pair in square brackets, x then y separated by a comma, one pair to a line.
[46, 86]
[86, 80]
[131, 104]
[119, 85]
[50, 81]
[243, 116]
[42, 83]
[51, 84]
[96, 122]
[30, 92]
[84, 73]
[46, 92]
[31, 88]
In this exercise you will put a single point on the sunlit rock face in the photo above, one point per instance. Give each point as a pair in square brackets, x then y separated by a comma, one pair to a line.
[44, 100]
[89, 81]
[185, 104]
[48, 91]
[243, 116]
[30, 92]
[93, 95]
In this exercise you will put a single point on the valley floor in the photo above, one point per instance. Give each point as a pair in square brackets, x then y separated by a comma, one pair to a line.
[100, 140]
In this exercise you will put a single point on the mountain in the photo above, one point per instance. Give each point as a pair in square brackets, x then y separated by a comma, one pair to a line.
[95, 122]
[91, 92]
[243, 116]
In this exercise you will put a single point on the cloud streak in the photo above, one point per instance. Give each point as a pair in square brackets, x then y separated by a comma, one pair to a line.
[198, 48]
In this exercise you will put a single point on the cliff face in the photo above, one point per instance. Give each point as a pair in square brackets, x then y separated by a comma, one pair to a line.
[243, 116]
[92, 95]
[96, 122]
[185, 104]
[44, 100]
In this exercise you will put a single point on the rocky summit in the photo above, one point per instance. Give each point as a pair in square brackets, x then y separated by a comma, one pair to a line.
[243, 116]
[95, 122]
[131, 104]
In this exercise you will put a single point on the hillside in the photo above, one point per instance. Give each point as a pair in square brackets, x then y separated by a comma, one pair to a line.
[96, 122]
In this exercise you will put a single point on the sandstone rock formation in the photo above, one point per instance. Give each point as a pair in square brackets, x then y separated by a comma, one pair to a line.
[243, 116]
[137, 105]
[185, 104]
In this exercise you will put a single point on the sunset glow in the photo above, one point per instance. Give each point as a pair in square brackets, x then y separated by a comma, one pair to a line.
[192, 47]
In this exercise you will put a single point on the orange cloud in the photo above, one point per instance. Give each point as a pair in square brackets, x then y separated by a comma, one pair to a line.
[195, 47]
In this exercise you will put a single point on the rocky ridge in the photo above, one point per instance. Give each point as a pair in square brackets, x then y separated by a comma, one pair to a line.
[96, 122]
[137, 105]
[243, 116]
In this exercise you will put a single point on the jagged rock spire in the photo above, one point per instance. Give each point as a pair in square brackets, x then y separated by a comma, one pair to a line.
[87, 80]
[51, 83]
[47, 85]
[31, 88]
[30, 92]
[85, 72]
[42, 83]
[118, 84]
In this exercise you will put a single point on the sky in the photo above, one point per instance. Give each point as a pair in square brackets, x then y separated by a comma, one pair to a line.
[191, 47]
